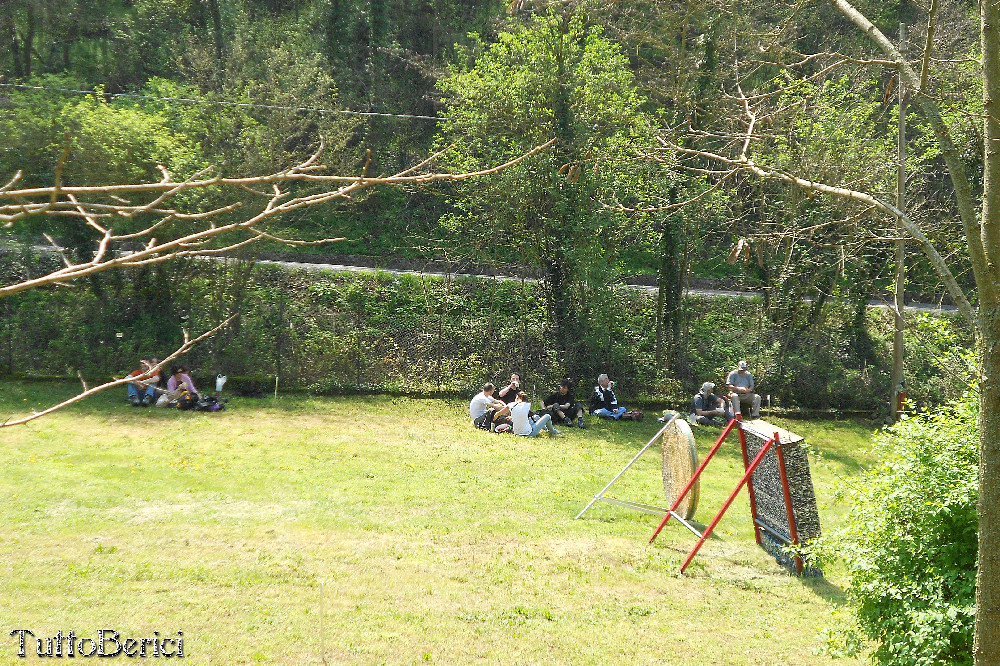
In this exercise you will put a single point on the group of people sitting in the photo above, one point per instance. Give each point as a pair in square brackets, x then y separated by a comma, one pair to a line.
[509, 408]
[148, 388]
[711, 409]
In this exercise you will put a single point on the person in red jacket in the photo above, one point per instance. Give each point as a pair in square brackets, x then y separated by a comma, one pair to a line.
[142, 391]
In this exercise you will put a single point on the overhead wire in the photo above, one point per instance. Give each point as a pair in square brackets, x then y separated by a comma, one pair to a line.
[249, 105]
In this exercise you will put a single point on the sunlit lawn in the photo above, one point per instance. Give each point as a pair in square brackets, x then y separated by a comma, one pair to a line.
[386, 530]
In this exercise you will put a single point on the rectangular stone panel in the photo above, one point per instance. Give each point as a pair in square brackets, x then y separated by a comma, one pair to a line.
[772, 518]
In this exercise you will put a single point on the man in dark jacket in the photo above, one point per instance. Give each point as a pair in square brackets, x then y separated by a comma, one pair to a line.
[603, 401]
[709, 409]
[562, 407]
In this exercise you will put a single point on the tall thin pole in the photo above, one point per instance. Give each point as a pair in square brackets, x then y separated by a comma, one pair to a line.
[897, 337]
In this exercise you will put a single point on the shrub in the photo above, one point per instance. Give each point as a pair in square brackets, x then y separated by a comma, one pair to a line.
[910, 539]
[253, 386]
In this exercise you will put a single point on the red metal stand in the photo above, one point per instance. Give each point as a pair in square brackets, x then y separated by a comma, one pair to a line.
[753, 498]
[749, 466]
[732, 496]
[697, 473]
[786, 491]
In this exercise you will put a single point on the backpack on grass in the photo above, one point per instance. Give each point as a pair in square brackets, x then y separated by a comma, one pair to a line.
[483, 422]
[187, 401]
[209, 403]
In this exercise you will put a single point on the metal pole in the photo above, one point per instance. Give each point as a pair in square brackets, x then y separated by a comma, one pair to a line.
[715, 521]
[753, 497]
[697, 473]
[624, 469]
[898, 300]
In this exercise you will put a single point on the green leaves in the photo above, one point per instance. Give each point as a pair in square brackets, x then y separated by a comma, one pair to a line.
[910, 540]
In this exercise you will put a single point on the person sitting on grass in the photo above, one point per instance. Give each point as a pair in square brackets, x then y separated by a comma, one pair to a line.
[485, 410]
[508, 393]
[603, 401]
[523, 424]
[709, 409]
[178, 384]
[562, 407]
[142, 392]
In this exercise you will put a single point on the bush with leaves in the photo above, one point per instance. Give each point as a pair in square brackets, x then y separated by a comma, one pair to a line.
[910, 539]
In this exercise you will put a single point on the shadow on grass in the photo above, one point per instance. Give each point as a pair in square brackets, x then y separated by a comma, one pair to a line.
[823, 588]
[849, 464]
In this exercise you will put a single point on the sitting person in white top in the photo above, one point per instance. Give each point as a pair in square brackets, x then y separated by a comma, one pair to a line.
[484, 408]
[522, 422]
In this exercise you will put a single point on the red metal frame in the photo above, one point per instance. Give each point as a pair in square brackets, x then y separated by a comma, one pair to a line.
[793, 529]
[732, 496]
[697, 473]
[753, 498]
[749, 468]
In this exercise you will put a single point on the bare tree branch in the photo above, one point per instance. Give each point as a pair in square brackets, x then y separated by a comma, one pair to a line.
[928, 45]
[940, 266]
[956, 167]
[279, 201]
[88, 204]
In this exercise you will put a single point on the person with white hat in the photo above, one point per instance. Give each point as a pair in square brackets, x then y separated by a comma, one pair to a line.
[708, 408]
[741, 390]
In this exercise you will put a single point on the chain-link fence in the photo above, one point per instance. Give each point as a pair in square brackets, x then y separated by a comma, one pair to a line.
[431, 335]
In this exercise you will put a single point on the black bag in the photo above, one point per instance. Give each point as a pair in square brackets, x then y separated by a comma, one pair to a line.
[209, 404]
[484, 421]
[187, 401]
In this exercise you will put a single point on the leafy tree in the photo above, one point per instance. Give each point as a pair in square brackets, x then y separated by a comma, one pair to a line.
[975, 202]
[558, 77]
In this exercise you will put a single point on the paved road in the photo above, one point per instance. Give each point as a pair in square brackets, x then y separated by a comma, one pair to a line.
[929, 308]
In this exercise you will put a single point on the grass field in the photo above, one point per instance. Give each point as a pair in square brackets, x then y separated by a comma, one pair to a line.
[386, 530]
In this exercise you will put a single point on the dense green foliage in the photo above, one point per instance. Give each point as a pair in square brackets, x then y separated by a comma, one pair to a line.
[554, 78]
[418, 58]
[910, 539]
[336, 333]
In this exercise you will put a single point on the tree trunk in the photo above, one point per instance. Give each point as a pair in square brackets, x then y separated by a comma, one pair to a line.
[334, 30]
[213, 8]
[8, 35]
[564, 206]
[987, 641]
[670, 287]
[29, 40]
[896, 383]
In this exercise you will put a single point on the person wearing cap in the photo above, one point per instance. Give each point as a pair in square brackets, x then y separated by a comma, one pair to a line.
[741, 390]
[709, 409]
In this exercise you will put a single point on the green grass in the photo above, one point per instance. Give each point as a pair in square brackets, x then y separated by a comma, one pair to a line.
[433, 542]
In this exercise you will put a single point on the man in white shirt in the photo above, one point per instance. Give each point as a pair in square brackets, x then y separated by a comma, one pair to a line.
[522, 423]
[483, 404]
